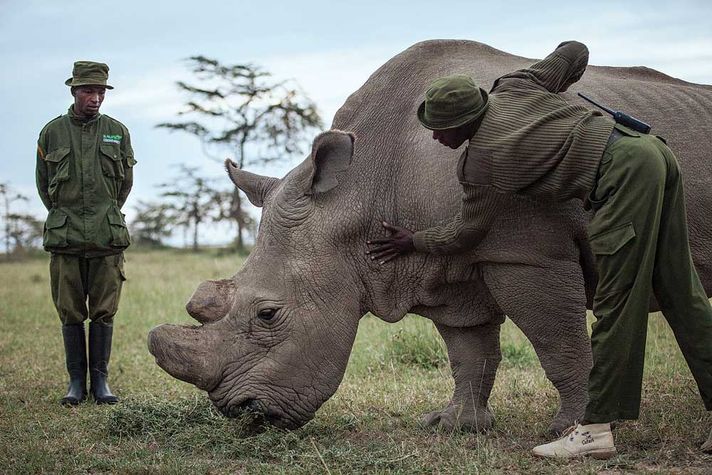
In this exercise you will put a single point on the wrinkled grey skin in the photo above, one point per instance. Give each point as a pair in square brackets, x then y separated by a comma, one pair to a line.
[309, 264]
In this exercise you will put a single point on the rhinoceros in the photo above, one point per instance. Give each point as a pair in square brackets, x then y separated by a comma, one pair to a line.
[275, 338]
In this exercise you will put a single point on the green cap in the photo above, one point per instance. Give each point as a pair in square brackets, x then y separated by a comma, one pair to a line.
[89, 73]
[452, 101]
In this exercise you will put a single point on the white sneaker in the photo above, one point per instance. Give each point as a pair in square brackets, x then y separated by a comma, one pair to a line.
[595, 440]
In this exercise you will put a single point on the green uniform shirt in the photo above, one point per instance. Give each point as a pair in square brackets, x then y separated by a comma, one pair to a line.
[84, 175]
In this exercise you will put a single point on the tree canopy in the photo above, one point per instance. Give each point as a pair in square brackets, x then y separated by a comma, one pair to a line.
[241, 109]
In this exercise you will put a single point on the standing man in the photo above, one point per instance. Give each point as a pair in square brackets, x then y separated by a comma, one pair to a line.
[524, 138]
[84, 175]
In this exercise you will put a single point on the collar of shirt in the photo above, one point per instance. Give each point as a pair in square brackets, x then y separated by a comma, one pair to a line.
[80, 120]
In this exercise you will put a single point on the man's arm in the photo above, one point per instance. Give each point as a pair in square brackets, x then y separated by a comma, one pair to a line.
[556, 72]
[467, 229]
[125, 187]
[41, 177]
[479, 205]
[129, 163]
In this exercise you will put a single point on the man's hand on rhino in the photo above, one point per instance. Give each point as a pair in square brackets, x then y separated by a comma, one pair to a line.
[400, 242]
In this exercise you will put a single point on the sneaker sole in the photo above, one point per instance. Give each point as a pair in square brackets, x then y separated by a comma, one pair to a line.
[599, 454]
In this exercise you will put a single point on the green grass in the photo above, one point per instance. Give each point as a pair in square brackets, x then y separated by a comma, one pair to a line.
[396, 373]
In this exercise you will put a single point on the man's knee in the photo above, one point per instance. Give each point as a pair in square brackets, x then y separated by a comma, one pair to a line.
[68, 293]
[105, 290]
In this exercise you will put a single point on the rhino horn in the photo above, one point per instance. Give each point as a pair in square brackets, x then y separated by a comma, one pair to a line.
[332, 152]
[211, 300]
[256, 187]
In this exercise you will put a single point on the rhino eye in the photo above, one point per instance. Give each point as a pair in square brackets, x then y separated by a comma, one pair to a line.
[267, 314]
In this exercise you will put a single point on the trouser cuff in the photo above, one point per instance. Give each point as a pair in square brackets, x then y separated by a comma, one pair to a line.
[600, 418]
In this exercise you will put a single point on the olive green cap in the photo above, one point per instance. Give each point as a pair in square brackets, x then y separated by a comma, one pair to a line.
[452, 101]
[89, 73]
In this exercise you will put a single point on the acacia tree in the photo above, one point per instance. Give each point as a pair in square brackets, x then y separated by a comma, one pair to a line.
[25, 232]
[192, 201]
[153, 222]
[20, 230]
[240, 108]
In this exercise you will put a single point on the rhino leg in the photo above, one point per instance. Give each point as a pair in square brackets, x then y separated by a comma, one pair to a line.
[474, 357]
[549, 305]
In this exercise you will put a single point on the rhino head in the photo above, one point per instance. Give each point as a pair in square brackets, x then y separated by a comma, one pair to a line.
[267, 342]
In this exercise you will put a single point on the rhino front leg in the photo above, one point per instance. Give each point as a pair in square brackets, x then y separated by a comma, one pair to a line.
[549, 306]
[474, 357]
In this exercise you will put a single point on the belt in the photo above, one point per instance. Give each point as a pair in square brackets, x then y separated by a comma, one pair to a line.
[615, 135]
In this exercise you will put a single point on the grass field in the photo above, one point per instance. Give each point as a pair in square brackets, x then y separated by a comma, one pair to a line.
[396, 373]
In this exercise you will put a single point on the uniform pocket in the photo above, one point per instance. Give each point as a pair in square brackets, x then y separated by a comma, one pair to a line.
[615, 262]
[111, 161]
[119, 232]
[57, 170]
[55, 230]
[609, 242]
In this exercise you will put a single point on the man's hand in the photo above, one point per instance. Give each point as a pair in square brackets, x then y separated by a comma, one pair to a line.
[400, 242]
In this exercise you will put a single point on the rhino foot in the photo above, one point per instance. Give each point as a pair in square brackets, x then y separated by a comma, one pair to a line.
[455, 417]
[561, 423]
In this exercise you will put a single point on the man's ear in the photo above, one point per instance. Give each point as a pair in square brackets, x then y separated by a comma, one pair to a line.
[331, 154]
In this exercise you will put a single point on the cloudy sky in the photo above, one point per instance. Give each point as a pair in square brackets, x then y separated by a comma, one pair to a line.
[328, 47]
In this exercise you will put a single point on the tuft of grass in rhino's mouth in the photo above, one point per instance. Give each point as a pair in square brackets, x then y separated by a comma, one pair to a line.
[253, 413]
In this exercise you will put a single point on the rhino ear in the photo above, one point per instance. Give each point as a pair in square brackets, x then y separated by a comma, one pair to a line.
[332, 152]
[256, 187]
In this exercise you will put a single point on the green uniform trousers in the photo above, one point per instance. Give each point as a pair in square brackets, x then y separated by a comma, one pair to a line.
[86, 287]
[639, 237]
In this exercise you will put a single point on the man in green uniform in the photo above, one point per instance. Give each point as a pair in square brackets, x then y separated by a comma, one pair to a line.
[524, 138]
[84, 175]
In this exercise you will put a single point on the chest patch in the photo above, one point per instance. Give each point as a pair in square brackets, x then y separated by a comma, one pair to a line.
[116, 139]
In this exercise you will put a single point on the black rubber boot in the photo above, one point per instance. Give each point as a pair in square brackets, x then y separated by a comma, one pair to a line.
[99, 353]
[75, 350]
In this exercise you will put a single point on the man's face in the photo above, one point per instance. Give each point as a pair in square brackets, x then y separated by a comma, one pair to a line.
[87, 100]
[452, 138]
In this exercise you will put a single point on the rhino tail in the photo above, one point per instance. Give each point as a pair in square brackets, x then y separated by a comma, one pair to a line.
[588, 267]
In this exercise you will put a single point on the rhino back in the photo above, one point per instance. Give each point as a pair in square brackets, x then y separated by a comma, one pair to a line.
[411, 177]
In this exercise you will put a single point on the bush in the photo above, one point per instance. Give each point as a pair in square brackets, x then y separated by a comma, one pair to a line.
[518, 354]
[418, 345]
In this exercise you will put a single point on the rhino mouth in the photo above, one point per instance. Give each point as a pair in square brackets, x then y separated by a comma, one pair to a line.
[258, 414]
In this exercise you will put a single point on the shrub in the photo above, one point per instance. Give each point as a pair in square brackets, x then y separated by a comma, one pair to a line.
[518, 354]
[418, 345]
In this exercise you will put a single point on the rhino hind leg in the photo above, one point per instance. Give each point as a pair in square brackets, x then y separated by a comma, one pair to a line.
[549, 306]
[474, 357]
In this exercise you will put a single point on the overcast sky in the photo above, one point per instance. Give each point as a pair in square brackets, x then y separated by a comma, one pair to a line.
[328, 47]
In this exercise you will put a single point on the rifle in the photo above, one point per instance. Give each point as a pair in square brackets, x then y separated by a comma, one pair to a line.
[622, 118]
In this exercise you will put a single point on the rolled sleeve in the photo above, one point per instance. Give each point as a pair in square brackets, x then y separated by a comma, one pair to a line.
[563, 67]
